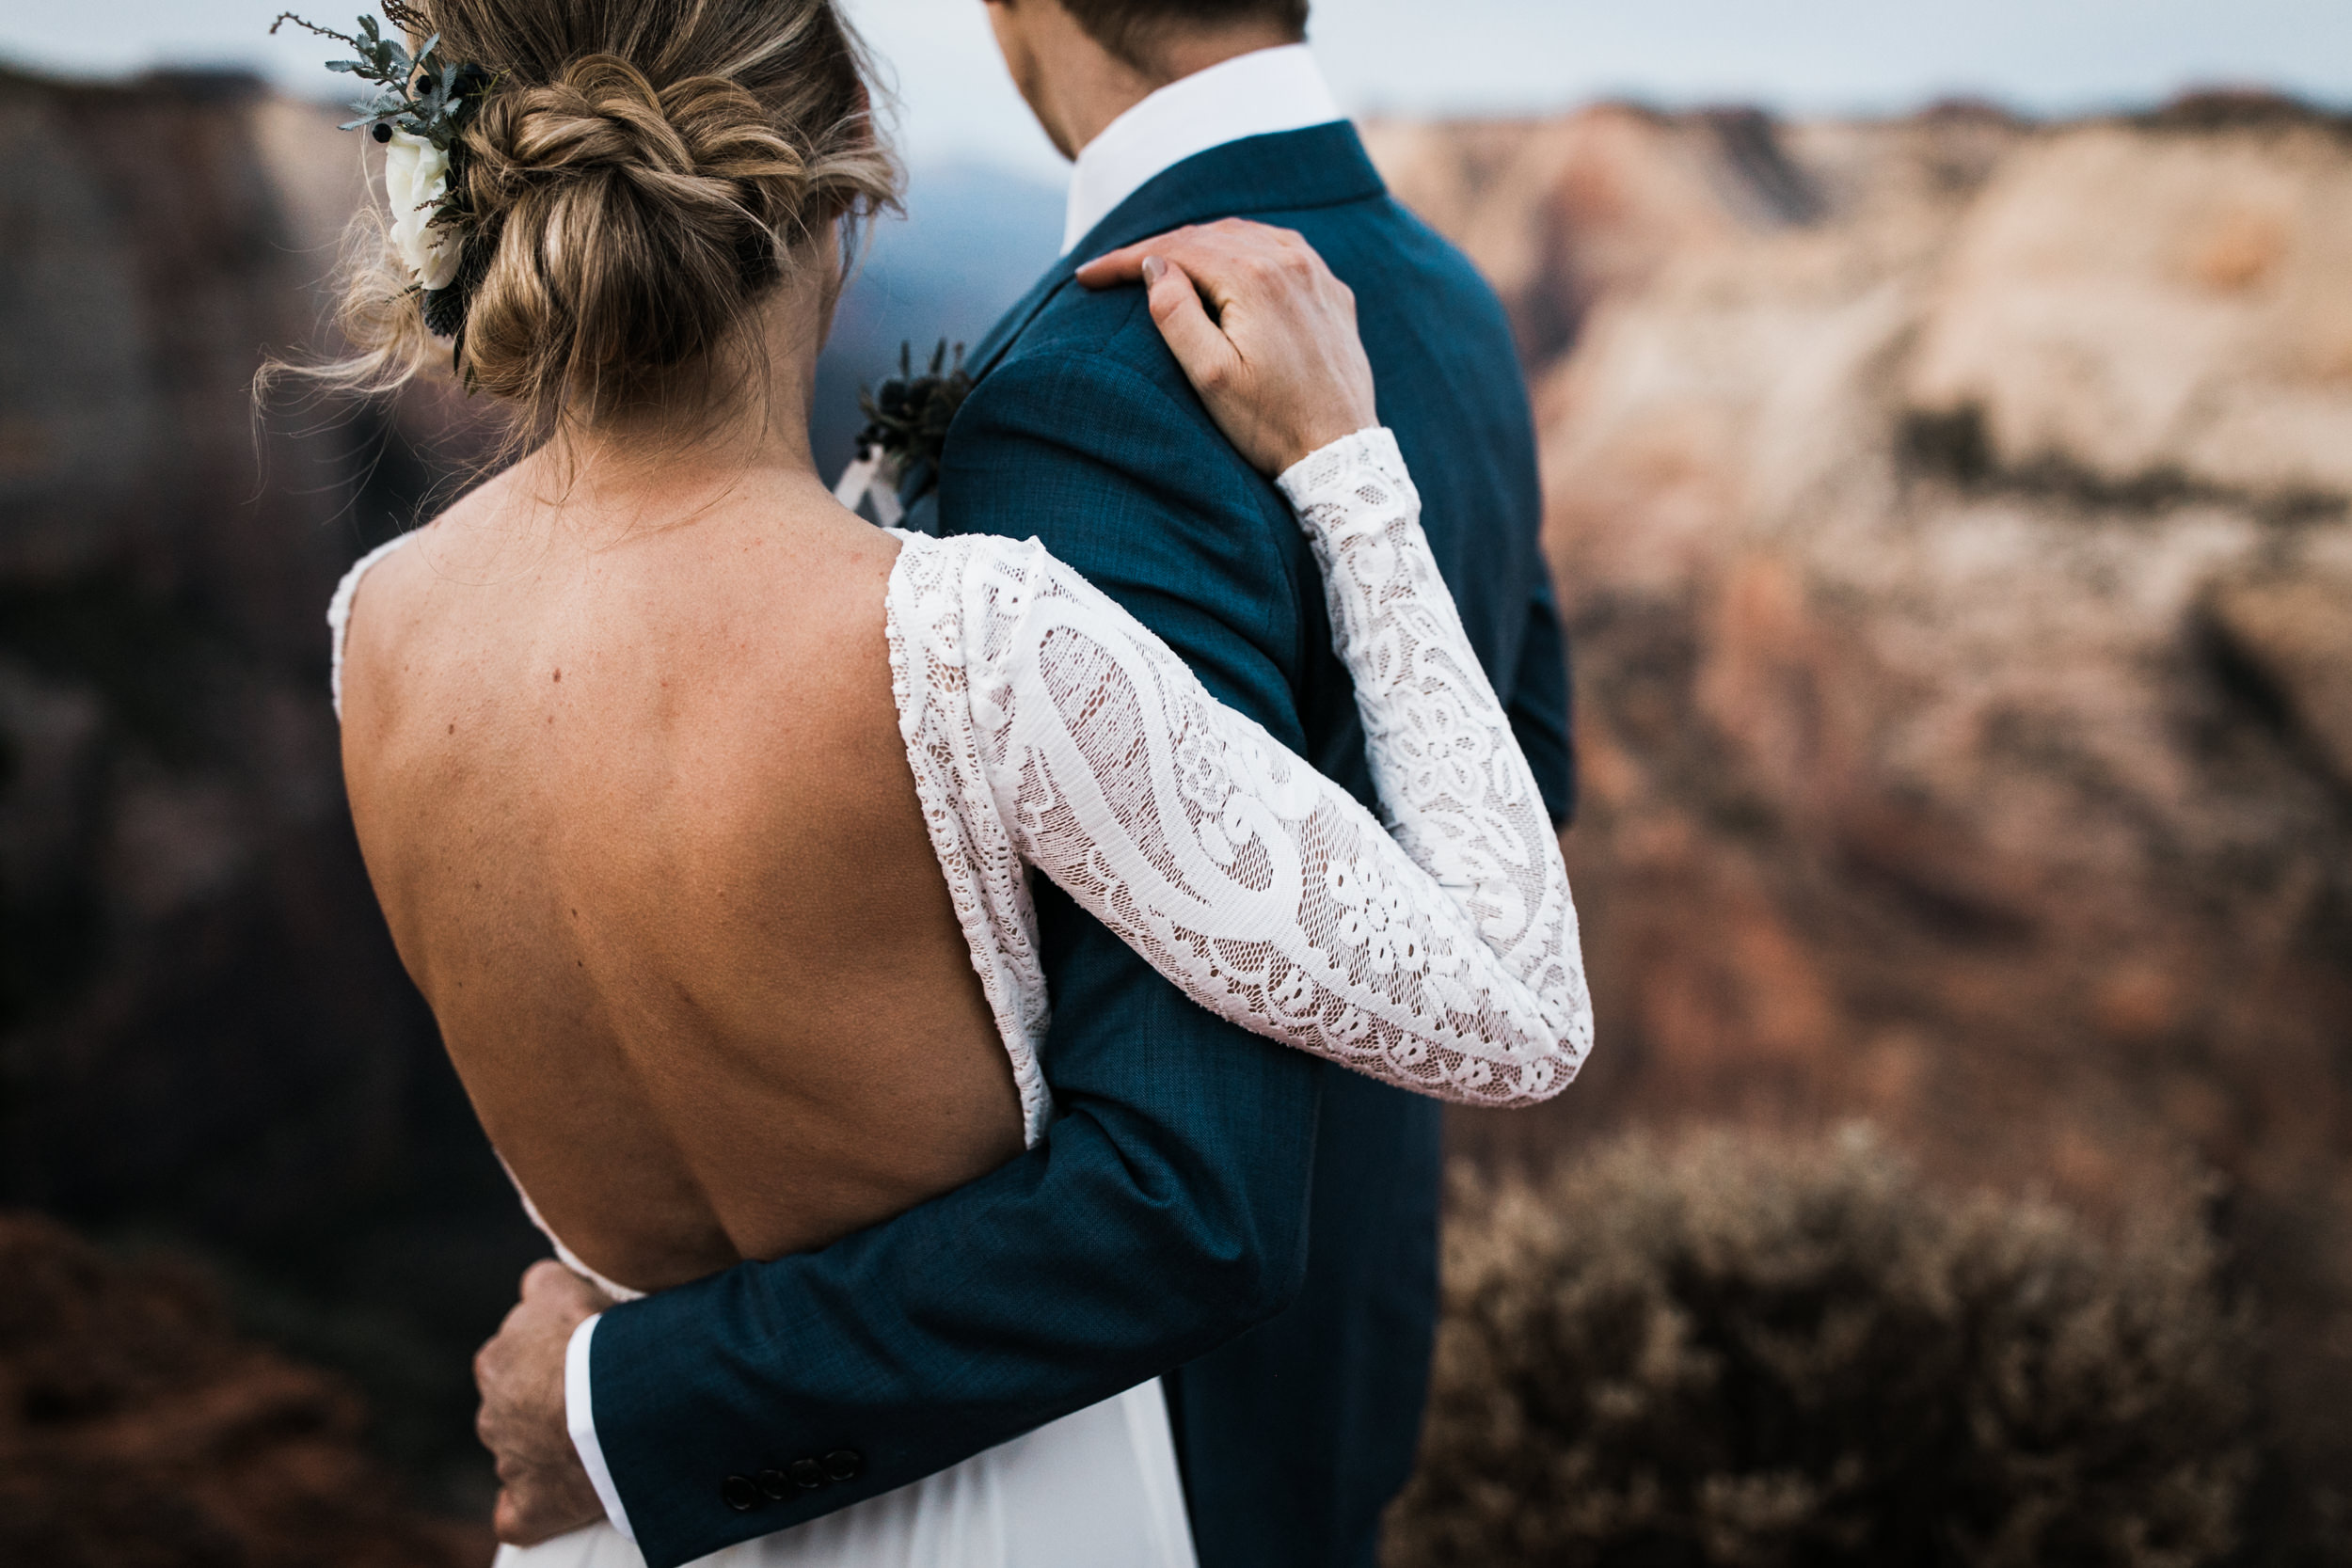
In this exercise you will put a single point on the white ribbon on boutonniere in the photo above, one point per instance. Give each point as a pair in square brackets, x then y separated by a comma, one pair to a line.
[907, 419]
[874, 477]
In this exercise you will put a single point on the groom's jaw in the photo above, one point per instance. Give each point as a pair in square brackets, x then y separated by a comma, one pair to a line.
[1082, 64]
[1073, 84]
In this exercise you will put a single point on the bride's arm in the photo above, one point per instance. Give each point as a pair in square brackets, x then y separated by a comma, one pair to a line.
[1443, 959]
[1258, 886]
[1456, 790]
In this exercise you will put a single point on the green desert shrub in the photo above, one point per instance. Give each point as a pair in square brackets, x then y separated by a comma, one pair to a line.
[1739, 1351]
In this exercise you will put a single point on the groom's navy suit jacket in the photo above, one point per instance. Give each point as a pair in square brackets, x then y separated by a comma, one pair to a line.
[1257, 1224]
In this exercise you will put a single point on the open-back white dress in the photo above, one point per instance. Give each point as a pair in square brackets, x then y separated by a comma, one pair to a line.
[1050, 731]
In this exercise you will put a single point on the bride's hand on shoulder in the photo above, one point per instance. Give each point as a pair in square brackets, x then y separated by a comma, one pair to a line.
[1265, 332]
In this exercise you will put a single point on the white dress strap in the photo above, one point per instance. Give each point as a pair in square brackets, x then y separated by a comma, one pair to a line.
[987, 880]
[339, 612]
[564, 1255]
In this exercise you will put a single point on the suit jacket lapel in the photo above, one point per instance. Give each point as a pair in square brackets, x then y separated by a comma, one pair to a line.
[1320, 166]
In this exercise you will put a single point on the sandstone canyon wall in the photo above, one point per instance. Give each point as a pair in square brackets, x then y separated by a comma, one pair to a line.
[1951, 516]
[137, 1428]
[1952, 520]
[205, 1036]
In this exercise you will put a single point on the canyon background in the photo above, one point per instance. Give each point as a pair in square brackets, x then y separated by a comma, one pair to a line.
[1951, 508]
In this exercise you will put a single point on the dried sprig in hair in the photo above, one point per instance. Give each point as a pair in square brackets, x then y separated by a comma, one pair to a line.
[428, 97]
[423, 94]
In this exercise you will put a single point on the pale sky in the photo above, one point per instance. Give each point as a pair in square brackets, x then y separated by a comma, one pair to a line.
[1460, 55]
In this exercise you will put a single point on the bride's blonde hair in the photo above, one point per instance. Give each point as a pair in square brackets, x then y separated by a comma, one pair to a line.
[638, 175]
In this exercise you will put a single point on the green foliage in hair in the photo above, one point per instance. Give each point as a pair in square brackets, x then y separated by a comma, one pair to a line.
[423, 94]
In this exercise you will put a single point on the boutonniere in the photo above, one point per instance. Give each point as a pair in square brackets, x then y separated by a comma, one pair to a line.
[906, 430]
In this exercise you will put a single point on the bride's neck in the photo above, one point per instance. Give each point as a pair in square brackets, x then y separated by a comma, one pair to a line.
[756, 430]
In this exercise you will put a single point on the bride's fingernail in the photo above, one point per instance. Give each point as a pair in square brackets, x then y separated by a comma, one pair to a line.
[1153, 270]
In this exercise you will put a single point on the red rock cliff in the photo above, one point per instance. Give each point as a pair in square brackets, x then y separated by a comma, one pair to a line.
[1952, 518]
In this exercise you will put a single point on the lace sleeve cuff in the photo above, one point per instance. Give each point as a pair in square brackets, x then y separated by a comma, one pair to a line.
[1325, 481]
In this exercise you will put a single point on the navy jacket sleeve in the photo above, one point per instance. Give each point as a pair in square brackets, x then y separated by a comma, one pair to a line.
[1543, 705]
[1164, 1212]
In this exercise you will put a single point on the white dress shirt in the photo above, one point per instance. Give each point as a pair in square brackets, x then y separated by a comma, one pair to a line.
[1251, 95]
[580, 1418]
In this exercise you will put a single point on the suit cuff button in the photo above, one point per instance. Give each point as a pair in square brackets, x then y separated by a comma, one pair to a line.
[739, 1494]
[844, 1464]
[807, 1474]
[776, 1484]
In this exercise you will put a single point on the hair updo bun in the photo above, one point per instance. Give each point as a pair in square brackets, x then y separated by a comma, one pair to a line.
[626, 228]
[638, 175]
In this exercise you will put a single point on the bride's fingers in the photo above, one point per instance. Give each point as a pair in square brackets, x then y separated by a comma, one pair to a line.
[1221, 256]
[1264, 330]
[1125, 264]
[1208, 357]
[1217, 255]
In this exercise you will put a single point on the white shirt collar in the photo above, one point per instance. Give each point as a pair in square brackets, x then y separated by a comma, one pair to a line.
[1250, 95]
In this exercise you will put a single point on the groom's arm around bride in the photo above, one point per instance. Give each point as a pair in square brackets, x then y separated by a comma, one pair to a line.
[1208, 1205]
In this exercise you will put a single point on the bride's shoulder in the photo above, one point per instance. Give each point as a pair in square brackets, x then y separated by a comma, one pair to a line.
[973, 591]
[958, 559]
[961, 547]
[399, 571]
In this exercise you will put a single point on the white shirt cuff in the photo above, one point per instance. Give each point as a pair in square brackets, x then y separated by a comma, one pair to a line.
[580, 1416]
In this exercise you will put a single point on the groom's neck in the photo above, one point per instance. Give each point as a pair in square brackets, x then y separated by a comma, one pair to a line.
[1076, 86]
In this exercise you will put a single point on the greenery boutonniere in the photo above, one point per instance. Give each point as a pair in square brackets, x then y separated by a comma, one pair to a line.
[906, 430]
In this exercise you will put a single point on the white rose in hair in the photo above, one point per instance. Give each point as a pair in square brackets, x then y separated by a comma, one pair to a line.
[416, 177]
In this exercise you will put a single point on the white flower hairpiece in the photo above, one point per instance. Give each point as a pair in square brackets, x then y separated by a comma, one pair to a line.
[417, 111]
[416, 178]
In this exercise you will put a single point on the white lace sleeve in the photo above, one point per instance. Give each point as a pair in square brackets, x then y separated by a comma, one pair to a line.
[1455, 787]
[1254, 883]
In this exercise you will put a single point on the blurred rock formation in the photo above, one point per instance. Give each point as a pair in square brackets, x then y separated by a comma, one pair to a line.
[137, 1428]
[204, 1032]
[1952, 517]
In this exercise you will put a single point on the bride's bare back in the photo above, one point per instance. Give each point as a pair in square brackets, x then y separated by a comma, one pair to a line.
[628, 776]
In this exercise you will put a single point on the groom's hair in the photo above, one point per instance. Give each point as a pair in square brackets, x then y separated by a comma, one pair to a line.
[1135, 30]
